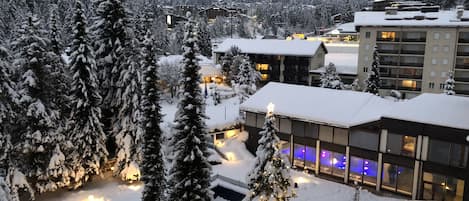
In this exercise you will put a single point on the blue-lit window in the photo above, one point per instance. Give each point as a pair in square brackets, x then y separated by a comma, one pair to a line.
[332, 163]
[363, 171]
[304, 156]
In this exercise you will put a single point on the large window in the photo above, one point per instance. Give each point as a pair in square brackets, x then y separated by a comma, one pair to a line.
[401, 145]
[363, 171]
[397, 178]
[439, 187]
[448, 153]
[365, 139]
[312, 130]
[387, 36]
[332, 163]
[304, 156]
[285, 125]
[340, 136]
[260, 120]
[326, 133]
[298, 128]
[250, 119]
[285, 148]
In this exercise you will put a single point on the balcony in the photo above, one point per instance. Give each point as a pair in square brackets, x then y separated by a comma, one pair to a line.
[411, 64]
[462, 92]
[461, 79]
[389, 63]
[409, 88]
[415, 52]
[462, 53]
[394, 75]
[387, 39]
[388, 51]
[463, 37]
[462, 66]
[421, 39]
[463, 40]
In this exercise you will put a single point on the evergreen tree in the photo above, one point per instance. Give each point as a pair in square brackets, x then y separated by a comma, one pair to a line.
[205, 43]
[449, 84]
[111, 42]
[356, 85]
[55, 44]
[152, 164]
[330, 78]
[227, 63]
[246, 79]
[373, 82]
[190, 169]
[4, 190]
[39, 124]
[84, 127]
[270, 179]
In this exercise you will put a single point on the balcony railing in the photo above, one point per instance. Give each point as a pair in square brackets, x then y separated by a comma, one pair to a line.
[388, 63]
[422, 39]
[463, 92]
[461, 79]
[388, 39]
[463, 40]
[417, 52]
[463, 53]
[388, 87]
[394, 75]
[411, 64]
[462, 66]
[409, 88]
[388, 51]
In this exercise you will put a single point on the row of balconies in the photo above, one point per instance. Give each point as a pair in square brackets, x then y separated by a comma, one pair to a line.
[391, 39]
[401, 84]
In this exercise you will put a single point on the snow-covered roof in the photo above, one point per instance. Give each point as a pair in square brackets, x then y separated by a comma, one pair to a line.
[272, 47]
[349, 108]
[447, 18]
[343, 28]
[435, 109]
[324, 106]
[344, 56]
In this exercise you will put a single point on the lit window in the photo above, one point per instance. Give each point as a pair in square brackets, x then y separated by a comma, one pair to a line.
[388, 35]
[262, 66]
[409, 83]
[264, 77]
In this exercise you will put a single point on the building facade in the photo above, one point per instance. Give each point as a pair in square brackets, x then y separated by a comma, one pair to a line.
[287, 61]
[417, 49]
[409, 155]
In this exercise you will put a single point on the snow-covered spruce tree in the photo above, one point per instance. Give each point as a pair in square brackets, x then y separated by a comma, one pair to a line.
[189, 173]
[373, 81]
[355, 86]
[246, 79]
[84, 126]
[270, 178]
[330, 78]
[205, 43]
[38, 133]
[55, 43]
[449, 84]
[152, 164]
[110, 44]
[18, 183]
[227, 63]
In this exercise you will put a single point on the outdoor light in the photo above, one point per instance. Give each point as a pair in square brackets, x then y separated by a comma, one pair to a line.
[135, 187]
[467, 138]
[270, 108]
[92, 198]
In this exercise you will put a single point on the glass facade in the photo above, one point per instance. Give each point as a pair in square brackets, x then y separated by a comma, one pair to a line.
[363, 171]
[332, 163]
[401, 145]
[304, 156]
[285, 148]
[397, 178]
[442, 188]
[448, 153]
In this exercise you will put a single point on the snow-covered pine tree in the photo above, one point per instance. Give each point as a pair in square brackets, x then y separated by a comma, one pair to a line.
[58, 173]
[18, 183]
[111, 42]
[246, 79]
[373, 81]
[449, 84]
[152, 164]
[205, 43]
[227, 63]
[190, 170]
[55, 43]
[355, 86]
[270, 178]
[84, 126]
[330, 78]
[38, 133]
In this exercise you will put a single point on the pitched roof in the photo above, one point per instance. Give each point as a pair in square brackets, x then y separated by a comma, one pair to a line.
[346, 109]
[272, 47]
[447, 18]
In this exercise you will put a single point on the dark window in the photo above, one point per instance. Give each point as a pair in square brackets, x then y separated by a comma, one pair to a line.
[442, 85]
[325, 133]
[431, 85]
[260, 120]
[312, 130]
[298, 128]
[447, 153]
[367, 34]
[365, 69]
[397, 178]
[285, 125]
[250, 119]
[365, 139]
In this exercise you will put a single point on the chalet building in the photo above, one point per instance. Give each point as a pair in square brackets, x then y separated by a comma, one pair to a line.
[288, 61]
[417, 49]
[172, 20]
[214, 12]
[415, 148]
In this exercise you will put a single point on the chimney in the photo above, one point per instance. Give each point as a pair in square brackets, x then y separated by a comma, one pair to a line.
[459, 11]
[390, 10]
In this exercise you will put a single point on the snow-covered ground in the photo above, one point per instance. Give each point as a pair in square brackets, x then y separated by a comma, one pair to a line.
[238, 166]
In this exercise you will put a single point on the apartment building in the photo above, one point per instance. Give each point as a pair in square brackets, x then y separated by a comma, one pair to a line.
[345, 136]
[288, 61]
[417, 49]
